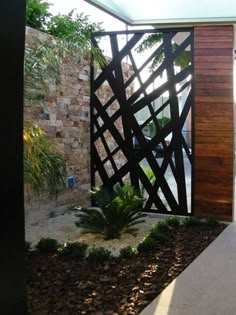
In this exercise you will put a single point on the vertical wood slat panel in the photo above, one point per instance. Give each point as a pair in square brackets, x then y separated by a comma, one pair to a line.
[213, 197]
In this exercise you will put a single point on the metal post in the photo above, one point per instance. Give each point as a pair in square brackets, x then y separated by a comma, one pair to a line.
[12, 274]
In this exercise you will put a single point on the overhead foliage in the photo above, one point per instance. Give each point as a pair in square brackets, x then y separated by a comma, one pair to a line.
[71, 41]
[37, 14]
[75, 30]
[72, 26]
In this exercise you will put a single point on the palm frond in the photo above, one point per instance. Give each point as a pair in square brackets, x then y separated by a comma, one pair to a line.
[149, 42]
[154, 40]
[118, 213]
[44, 166]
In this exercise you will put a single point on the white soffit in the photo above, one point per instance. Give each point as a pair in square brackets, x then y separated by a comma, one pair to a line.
[141, 12]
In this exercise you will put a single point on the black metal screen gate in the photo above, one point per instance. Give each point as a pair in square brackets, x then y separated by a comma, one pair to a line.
[141, 116]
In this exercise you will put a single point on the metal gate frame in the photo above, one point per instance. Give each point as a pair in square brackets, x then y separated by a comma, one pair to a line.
[112, 72]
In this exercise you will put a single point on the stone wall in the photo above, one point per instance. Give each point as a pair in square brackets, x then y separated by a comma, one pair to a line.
[64, 115]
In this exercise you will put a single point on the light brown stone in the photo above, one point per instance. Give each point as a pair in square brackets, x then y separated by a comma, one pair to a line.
[68, 106]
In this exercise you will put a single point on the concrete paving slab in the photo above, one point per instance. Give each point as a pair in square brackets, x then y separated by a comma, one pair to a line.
[205, 287]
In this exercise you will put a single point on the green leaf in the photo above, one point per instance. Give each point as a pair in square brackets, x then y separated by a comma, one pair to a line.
[44, 167]
[119, 212]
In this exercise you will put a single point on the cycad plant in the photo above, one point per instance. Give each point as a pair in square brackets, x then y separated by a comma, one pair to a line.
[44, 166]
[119, 212]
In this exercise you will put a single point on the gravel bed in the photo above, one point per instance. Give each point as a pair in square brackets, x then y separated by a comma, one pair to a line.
[63, 229]
[65, 286]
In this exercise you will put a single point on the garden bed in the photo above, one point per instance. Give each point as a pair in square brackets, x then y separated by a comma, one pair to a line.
[62, 228]
[64, 285]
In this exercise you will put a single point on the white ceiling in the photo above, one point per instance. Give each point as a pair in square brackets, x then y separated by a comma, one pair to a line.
[139, 12]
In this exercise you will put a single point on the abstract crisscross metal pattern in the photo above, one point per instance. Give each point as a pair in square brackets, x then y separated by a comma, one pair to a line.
[115, 124]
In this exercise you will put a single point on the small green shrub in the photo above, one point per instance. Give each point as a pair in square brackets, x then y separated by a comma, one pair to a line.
[47, 245]
[128, 252]
[158, 235]
[118, 212]
[75, 250]
[211, 221]
[192, 221]
[147, 244]
[98, 254]
[173, 221]
[162, 226]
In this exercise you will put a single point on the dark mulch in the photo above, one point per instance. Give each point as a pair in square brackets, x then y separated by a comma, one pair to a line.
[60, 285]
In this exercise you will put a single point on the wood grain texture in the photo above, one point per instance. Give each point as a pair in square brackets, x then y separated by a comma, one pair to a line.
[201, 31]
[213, 65]
[213, 85]
[215, 59]
[213, 99]
[216, 71]
[206, 119]
[220, 210]
[213, 52]
[220, 139]
[214, 92]
[212, 111]
[204, 132]
[204, 78]
[213, 121]
[214, 107]
[210, 164]
[211, 126]
[213, 39]
[213, 44]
